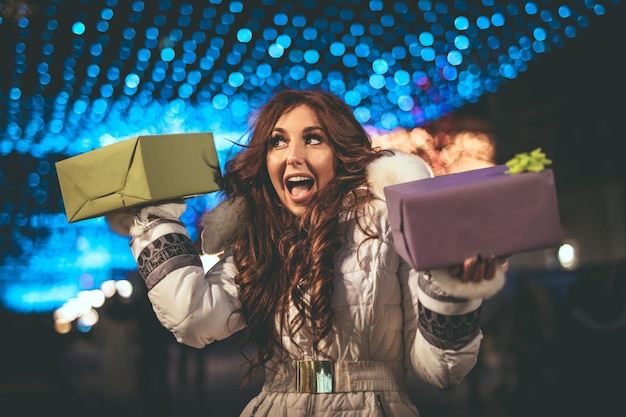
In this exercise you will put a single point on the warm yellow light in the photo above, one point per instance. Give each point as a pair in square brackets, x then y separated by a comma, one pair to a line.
[108, 288]
[124, 288]
[567, 256]
[62, 327]
[89, 319]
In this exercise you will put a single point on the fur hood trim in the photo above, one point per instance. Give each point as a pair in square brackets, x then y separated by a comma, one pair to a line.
[222, 224]
[227, 219]
[394, 169]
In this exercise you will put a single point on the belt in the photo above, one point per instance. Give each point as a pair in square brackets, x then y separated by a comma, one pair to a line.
[321, 377]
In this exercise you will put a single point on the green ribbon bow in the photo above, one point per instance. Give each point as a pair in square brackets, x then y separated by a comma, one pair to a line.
[534, 161]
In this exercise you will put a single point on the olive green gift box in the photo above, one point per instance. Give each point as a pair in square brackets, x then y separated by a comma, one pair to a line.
[137, 171]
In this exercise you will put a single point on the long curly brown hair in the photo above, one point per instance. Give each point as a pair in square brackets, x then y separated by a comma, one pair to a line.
[281, 257]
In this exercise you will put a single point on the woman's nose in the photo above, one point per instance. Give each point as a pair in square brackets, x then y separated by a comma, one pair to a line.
[296, 155]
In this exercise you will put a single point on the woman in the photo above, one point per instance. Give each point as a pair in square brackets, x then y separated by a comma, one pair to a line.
[310, 271]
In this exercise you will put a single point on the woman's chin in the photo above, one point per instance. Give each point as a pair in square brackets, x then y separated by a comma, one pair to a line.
[297, 206]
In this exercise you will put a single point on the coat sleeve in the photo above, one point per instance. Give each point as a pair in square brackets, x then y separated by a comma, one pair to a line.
[441, 326]
[197, 307]
[441, 314]
[441, 333]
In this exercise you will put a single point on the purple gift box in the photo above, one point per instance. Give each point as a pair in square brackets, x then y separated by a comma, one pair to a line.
[441, 221]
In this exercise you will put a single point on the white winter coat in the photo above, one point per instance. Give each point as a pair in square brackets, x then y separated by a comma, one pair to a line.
[376, 305]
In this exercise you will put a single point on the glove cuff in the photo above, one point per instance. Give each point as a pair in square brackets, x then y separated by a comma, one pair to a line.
[457, 288]
[147, 215]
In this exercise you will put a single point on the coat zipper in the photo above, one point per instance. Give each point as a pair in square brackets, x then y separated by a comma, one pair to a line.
[380, 404]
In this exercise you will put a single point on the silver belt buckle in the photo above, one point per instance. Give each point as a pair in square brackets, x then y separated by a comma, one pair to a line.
[315, 377]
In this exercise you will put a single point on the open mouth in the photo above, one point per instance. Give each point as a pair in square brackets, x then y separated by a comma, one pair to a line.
[299, 186]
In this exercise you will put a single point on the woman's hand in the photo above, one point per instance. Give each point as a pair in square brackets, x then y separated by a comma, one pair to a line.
[477, 268]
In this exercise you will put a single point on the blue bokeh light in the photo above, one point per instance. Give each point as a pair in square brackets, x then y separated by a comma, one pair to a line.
[78, 28]
[75, 79]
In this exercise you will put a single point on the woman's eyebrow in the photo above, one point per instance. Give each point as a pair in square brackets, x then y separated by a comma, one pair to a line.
[310, 128]
[306, 129]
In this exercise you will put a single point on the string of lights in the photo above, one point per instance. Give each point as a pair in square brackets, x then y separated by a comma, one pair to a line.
[79, 75]
[85, 74]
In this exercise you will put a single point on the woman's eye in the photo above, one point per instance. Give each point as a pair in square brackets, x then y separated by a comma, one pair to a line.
[277, 141]
[313, 139]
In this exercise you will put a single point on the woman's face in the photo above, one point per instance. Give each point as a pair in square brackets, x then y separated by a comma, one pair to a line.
[300, 160]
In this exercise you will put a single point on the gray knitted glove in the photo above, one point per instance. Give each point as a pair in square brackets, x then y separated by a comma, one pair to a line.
[134, 221]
